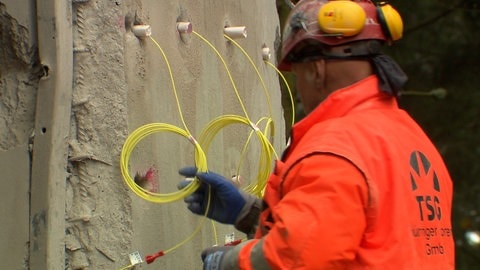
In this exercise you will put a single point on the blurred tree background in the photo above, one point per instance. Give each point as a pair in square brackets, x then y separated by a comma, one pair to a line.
[440, 52]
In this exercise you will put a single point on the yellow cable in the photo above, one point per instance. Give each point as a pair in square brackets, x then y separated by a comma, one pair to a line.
[134, 138]
[256, 70]
[197, 229]
[226, 68]
[206, 137]
[215, 234]
[173, 83]
[142, 132]
[288, 88]
[213, 127]
[261, 178]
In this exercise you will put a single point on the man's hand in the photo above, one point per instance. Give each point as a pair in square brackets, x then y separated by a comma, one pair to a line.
[212, 257]
[226, 201]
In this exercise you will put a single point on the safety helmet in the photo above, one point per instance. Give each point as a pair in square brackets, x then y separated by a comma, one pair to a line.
[332, 23]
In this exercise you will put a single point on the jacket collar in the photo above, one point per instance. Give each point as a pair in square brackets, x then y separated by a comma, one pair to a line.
[360, 95]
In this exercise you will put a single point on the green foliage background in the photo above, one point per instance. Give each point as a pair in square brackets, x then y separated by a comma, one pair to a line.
[440, 49]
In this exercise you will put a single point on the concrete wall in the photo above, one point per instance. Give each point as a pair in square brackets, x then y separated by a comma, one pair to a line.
[92, 83]
[18, 87]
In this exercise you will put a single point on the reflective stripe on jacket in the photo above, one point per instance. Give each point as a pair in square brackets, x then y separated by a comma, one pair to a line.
[360, 187]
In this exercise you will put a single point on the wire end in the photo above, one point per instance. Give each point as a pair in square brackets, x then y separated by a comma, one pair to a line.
[150, 258]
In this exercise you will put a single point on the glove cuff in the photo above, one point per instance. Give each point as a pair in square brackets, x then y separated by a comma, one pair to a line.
[247, 219]
[230, 257]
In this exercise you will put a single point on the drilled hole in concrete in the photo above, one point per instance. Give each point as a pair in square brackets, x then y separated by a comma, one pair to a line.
[46, 70]
[129, 19]
[44, 130]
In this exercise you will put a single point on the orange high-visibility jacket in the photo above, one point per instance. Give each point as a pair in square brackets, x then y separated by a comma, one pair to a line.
[360, 187]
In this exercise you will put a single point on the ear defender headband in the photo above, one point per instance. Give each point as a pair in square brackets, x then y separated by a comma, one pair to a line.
[347, 18]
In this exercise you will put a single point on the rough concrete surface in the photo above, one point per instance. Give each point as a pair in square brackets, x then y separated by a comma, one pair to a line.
[19, 75]
[121, 82]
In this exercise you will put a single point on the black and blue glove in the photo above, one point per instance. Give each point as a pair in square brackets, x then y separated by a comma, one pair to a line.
[226, 201]
[212, 257]
[222, 257]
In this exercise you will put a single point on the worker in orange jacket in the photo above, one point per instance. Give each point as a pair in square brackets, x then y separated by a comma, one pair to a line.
[360, 186]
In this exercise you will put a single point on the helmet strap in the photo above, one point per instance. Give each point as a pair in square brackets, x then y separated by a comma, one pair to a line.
[352, 50]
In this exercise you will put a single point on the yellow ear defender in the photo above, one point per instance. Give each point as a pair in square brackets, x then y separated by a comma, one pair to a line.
[390, 20]
[347, 18]
[342, 17]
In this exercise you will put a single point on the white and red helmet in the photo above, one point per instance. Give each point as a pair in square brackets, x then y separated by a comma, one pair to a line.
[337, 22]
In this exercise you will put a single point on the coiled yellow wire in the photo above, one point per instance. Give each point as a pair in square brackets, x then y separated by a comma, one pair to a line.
[267, 152]
[144, 131]
[204, 141]
[212, 128]
[200, 161]
[206, 136]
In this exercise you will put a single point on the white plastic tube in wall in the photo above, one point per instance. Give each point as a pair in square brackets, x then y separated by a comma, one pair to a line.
[184, 27]
[142, 31]
[235, 32]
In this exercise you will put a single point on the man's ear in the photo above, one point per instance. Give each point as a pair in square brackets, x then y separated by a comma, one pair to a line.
[319, 70]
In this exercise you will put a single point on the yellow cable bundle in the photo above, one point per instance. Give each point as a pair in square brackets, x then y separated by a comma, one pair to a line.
[215, 125]
[146, 130]
[211, 130]
[205, 138]
[134, 138]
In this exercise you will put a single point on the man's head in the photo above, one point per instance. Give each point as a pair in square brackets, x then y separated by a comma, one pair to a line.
[315, 29]
[332, 44]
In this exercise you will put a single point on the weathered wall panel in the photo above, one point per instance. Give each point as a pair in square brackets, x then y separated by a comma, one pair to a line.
[19, 75]
[120, 82]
